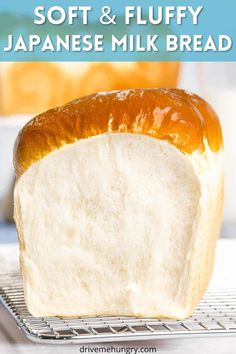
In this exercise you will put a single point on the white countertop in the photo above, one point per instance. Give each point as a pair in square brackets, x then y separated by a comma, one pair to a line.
[12, 340]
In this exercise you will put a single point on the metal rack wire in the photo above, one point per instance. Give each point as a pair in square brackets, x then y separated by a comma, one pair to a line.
[216, 314]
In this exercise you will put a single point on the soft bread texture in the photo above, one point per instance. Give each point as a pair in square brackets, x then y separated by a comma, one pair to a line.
[34, 87]
[118, 222]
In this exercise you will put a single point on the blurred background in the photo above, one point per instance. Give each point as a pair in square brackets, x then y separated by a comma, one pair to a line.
[29, 88]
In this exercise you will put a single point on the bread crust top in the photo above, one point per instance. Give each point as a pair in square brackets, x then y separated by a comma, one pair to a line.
[183, 119]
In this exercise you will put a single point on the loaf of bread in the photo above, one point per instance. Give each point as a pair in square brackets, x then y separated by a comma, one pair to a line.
[34, 87]
[118, 204]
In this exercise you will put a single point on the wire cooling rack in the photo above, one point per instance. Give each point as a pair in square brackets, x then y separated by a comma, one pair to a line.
[216, 314]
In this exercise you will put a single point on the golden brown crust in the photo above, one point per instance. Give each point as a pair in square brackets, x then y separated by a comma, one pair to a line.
[181, 118]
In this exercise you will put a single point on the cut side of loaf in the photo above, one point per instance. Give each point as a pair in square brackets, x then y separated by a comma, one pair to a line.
[117, 223]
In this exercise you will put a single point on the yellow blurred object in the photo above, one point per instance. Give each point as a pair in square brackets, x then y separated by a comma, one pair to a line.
[34, 87]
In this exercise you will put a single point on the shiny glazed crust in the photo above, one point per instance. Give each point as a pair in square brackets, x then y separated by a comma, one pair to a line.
[179, 117]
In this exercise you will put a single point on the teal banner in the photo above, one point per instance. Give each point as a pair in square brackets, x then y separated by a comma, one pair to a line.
[63, 30]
